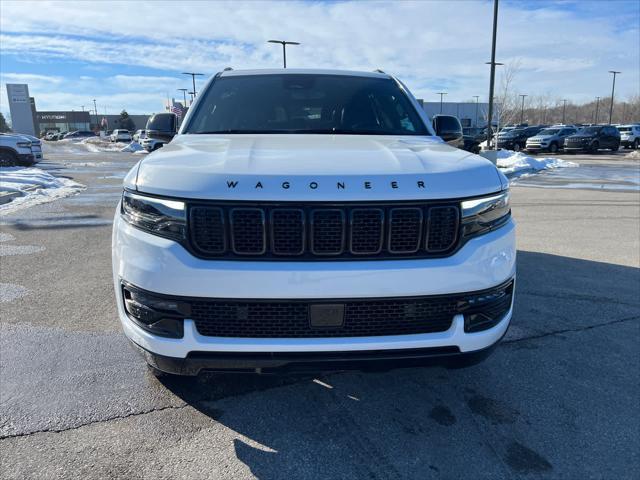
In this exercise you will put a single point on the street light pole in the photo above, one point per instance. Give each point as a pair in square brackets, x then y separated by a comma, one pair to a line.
[522, 108]
[597, 109]
[193, 79]
[564, 108]
[613, 89]
[442, 94]
[493, 73]
[476, 97]
[95, 107]
[284, 44]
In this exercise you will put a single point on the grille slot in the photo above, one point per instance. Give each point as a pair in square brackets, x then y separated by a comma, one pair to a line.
[442, 228]
[327, 231]
[207, 229]
[287, 231]
[248, 231]
[366, 231]
[405, 230]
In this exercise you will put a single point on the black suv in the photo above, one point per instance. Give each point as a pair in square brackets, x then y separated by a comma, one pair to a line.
[516, 139]
[592, 139]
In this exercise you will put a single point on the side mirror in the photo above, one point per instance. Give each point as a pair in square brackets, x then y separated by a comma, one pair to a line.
[162, 126]
[448, 128]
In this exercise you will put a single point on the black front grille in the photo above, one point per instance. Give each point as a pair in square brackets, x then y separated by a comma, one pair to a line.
[362, 318]
[344, 231]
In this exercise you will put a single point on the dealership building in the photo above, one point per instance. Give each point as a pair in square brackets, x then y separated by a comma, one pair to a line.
[25, 118]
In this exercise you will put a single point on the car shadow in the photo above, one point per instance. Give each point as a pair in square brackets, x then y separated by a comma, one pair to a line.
[512, 415]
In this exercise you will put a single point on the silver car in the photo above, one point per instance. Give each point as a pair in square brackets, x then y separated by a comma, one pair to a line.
[550, 139]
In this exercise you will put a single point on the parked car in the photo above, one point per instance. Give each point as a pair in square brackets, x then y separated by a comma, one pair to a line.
[36, 147]
[152, 144]
[629, 136]
[471, 143]
[120, 135]
[139, 136]
[79, 134]
[59, 135]
[516, 139]
[592, 139]
[550, 139]
[338, 236]
[15, 150]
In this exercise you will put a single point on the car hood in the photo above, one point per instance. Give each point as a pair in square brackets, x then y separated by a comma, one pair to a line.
[313, 168]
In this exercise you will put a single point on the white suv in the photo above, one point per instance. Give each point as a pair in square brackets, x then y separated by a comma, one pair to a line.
[312, 219]
[120, 135]
[16, 150]
[629, 136]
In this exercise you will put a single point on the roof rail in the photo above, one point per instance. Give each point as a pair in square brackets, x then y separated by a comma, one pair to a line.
[226, 69]
[379, 70]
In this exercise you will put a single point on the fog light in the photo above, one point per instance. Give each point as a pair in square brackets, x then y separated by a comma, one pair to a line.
[155, 314]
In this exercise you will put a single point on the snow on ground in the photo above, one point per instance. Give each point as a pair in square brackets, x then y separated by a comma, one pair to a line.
[635, 155]
[36, 186]
[516, 164]
[99, 144]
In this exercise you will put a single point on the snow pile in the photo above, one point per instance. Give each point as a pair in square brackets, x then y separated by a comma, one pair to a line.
[635, 155]
[132, 147]
[99, 144]
[515, 164]
[36, 186]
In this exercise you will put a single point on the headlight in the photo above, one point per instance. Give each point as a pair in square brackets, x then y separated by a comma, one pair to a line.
[481, 215]
[165, 218]
[23, 144]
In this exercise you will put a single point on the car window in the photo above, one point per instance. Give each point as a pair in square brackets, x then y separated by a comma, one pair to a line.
[306, 103]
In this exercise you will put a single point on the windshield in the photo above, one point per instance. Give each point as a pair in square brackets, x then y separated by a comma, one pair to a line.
[624, 129]
[549, 131]
[306, 103]
[590, 130]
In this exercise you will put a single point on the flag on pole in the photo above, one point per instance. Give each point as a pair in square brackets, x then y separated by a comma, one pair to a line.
[177, 109]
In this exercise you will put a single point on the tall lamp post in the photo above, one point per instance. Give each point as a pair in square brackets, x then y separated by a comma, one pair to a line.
[613, 90]
[442, 94]
[493, 73]
[564, 108]
[522, 108]
[597, 109]
[95, 108]
[193, 79]
[184, 94]
[476, 97]
[284, 44]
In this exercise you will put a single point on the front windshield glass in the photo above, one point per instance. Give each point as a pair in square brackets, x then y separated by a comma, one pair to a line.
[305, 103]
[624, 129]
[590, 130]
[549, 131]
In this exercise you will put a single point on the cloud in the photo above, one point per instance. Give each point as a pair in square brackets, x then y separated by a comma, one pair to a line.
[430, 45]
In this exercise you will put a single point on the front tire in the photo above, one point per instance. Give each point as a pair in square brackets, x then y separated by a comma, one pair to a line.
[7, 159]
[594, 147]
[516, 147]
[553, 148]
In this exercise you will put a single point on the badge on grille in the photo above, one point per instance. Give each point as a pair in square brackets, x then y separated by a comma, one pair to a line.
[326, 315]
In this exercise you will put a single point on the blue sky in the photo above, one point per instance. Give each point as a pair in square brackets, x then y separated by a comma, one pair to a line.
[130, 54]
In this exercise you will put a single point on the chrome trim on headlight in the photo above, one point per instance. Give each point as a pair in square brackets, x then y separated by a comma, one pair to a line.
[481, 215]
[162, 217]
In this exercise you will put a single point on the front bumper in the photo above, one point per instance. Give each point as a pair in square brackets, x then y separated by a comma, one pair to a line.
[159, 265]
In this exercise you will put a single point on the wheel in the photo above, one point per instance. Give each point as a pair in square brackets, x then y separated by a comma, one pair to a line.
[616, 147]
[593, 148]
[7, 159]
[636, 143]
[516, 147]
[553, 148]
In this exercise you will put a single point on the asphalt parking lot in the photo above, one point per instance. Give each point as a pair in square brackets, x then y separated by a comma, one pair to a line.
[558, 399]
